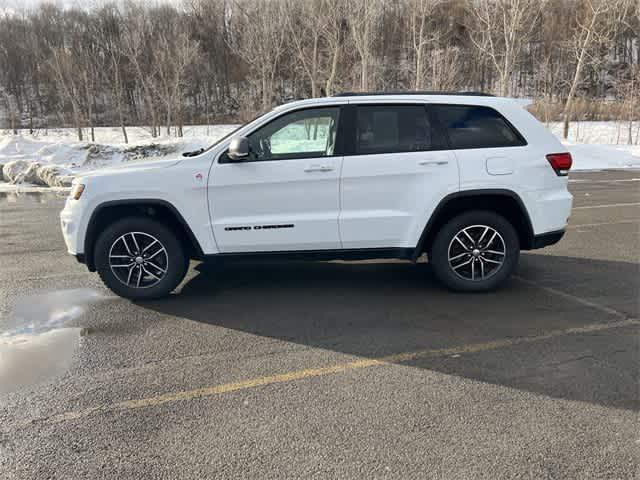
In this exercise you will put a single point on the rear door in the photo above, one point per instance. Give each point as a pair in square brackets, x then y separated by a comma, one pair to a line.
[395, 170]
[285, 196]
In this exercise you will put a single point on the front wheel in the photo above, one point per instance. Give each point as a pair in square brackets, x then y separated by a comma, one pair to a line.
[475, 252]
[140, 258]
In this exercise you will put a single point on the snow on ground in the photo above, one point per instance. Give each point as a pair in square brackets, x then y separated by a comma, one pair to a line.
[52, 158]
[600, 145]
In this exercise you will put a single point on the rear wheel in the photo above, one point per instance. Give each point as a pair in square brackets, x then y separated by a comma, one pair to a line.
[140, 258]
[475, 251]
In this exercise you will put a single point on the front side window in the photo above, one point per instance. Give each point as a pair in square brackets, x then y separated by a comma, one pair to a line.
[302, 134]
[476, 127]
[394, 128]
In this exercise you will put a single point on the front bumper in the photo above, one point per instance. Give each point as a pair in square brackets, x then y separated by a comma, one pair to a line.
[546, 239]
[70, 225]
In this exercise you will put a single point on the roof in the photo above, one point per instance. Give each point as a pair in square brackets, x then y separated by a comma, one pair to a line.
[413, 92]
[460, 98]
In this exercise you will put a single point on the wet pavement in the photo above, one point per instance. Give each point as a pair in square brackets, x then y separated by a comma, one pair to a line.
[36, 343]
[352, 370]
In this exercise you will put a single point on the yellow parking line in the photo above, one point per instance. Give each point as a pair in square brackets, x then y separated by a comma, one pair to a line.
[322, 371]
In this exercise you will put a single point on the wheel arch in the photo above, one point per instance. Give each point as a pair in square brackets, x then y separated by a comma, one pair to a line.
[502, 201]
[108, 212]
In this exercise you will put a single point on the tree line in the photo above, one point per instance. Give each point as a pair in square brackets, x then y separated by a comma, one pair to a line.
[208, 61]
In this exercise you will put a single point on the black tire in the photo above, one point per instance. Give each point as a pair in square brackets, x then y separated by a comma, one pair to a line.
[460, 280]
[154, 283]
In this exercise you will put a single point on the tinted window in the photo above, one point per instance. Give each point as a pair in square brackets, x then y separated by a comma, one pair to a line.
[301, 134]
[476, 127]
[393, 128]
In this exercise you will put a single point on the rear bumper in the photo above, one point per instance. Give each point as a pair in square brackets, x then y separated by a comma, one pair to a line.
[546, 239]
[549, 210]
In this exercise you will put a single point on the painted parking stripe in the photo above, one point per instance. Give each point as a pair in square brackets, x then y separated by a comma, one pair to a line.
[610, 205]
[578, 180]
[621, 222]
[180, 396]
[573, 298]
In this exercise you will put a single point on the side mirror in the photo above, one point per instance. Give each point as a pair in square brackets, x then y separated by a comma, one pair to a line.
[238, 149]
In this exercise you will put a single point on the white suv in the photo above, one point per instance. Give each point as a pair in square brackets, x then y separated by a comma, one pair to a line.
[468, 179]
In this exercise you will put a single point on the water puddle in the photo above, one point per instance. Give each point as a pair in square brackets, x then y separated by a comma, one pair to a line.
[38, 341]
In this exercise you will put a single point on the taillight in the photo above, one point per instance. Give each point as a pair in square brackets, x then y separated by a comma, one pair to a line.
[561, 163]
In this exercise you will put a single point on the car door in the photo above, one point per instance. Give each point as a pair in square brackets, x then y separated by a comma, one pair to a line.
[285, 196]
[395, 171]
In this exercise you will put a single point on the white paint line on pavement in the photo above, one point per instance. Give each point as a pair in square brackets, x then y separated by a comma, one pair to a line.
[610, 205]
[621, 222]
[568, 296]
[579, 180]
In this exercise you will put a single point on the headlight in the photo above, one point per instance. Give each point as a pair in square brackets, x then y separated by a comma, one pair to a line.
[76, 191]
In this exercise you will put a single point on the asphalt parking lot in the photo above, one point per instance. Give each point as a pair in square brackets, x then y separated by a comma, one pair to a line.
[335, 370]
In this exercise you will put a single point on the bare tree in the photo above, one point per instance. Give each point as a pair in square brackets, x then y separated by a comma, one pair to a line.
[65, 66]
[363, 17]
[262, 42]
[423, 35]
[111, 40]
[333, 34]
[446, 68]
[135, 43]
[225, 60]
[594, 26]
[11, 107]
[304, 24]
[500, 29]
[175, 52]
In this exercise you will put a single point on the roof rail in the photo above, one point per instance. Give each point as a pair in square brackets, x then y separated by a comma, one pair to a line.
[412, 92]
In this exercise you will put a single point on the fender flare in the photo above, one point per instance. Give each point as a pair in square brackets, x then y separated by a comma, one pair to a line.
[91, 232]
[474, 193]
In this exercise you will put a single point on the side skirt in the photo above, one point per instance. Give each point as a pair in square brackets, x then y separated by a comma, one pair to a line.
[313, 255]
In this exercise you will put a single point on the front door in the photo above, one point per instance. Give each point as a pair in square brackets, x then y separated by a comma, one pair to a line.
[285, 196]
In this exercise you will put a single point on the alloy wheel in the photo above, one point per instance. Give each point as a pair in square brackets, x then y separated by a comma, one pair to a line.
[138, 260]
[476, 252]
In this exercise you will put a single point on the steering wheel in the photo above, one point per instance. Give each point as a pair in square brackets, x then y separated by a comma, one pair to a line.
[265, 147]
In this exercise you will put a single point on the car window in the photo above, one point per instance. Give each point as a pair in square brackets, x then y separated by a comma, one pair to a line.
[476, 127]
[393, 128]
[302, 134]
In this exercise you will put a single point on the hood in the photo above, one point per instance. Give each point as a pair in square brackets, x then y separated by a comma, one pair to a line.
[131, 166]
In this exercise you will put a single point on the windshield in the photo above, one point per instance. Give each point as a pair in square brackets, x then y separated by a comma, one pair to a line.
[224, 137]
[221, 139]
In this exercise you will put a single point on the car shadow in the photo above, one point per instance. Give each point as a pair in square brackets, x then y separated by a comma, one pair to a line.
[374, 309]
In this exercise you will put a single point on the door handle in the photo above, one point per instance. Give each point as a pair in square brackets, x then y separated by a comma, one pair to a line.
[318, 168]
[433, 162]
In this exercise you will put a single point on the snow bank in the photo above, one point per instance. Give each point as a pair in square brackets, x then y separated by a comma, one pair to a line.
[55, 158]
[20, 171]
[599, 133]
[601, 157]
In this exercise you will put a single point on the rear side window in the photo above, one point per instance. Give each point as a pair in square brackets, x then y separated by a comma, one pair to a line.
[394, 128]
[477, 127]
